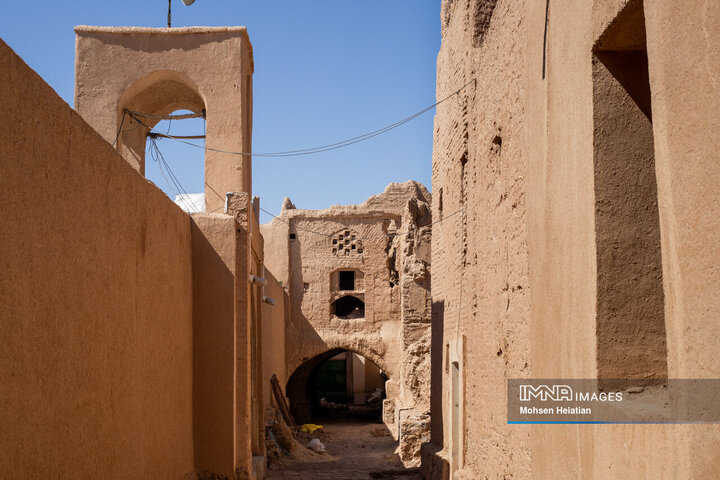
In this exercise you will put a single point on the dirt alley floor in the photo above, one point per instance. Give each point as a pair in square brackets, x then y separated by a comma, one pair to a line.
[360, 451]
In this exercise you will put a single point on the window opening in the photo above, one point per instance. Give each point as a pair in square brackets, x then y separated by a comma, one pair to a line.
[347, 280]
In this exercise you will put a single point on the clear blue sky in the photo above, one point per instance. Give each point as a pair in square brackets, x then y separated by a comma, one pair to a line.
[325, 70]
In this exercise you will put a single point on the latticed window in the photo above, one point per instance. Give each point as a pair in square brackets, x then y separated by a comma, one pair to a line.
[346, 242]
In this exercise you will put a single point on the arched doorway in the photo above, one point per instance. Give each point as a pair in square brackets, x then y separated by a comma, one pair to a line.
[337, 385]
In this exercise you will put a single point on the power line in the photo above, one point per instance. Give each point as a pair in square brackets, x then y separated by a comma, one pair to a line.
[179, 186]
[122, 121]
[157, 155]
[305, 151]
[175, 137]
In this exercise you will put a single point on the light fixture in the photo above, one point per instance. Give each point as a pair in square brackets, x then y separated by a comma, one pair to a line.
[186, 2]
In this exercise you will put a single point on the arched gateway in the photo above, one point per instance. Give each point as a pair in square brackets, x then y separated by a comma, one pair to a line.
[357, 280]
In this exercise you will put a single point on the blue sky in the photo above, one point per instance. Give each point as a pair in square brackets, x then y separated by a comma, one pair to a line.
[325, 70]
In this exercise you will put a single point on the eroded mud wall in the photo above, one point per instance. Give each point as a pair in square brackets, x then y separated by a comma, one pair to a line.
[519, 281]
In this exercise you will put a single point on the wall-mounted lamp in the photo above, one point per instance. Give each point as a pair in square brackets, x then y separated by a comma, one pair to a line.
[269, 300]
[254, 279]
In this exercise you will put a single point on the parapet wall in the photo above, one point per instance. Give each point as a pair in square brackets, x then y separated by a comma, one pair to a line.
[96, 295]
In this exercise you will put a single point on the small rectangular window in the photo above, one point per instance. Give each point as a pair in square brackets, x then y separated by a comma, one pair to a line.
[347, 280]
[292, 236]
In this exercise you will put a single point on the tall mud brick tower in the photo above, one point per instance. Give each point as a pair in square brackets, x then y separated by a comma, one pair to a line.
[128, 79]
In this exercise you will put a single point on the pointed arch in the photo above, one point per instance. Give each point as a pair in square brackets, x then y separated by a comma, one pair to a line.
[158, 93]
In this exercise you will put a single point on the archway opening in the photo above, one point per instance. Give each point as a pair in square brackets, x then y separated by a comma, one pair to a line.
[338, 385]
[162, 127]
[177, 166]
[348, 307]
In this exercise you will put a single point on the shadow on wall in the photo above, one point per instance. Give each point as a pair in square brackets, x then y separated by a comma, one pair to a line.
[433, 465]
[138, 42]
[436, 375]
[296, 390]
[213, 346]
[631, 337]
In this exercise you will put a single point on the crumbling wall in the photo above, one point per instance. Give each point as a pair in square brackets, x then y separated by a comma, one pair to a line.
[302, 246]
[415, 304]
[96, 295]
[386, 242]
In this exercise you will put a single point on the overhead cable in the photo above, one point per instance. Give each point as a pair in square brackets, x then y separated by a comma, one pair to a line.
[304, 151]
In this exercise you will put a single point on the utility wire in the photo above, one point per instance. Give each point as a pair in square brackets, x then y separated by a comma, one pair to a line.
[157, 155]
[182, 193]
[154, 156]
[392, 235]
[305, 151]
[122, 121]
[175, 137]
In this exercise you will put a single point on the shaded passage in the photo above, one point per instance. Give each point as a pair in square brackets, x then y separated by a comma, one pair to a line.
[355, 451]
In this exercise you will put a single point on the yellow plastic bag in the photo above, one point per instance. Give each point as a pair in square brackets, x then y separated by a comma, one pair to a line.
[310, 427]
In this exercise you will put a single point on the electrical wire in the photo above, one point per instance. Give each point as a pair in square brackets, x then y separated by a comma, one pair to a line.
[122, 121]
[179, 187]
[157, 154]
[305, 151]
[182, 193]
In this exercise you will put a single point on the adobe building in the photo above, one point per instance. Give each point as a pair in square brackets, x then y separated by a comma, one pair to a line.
[574, 222]
[132, 332]
[357, 279]
[582, 159]
[139, 341]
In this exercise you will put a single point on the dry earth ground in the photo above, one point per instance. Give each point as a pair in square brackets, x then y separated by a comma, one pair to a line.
[357, 451]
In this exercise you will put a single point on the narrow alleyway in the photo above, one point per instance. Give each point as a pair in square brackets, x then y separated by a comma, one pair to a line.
[355, 451]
